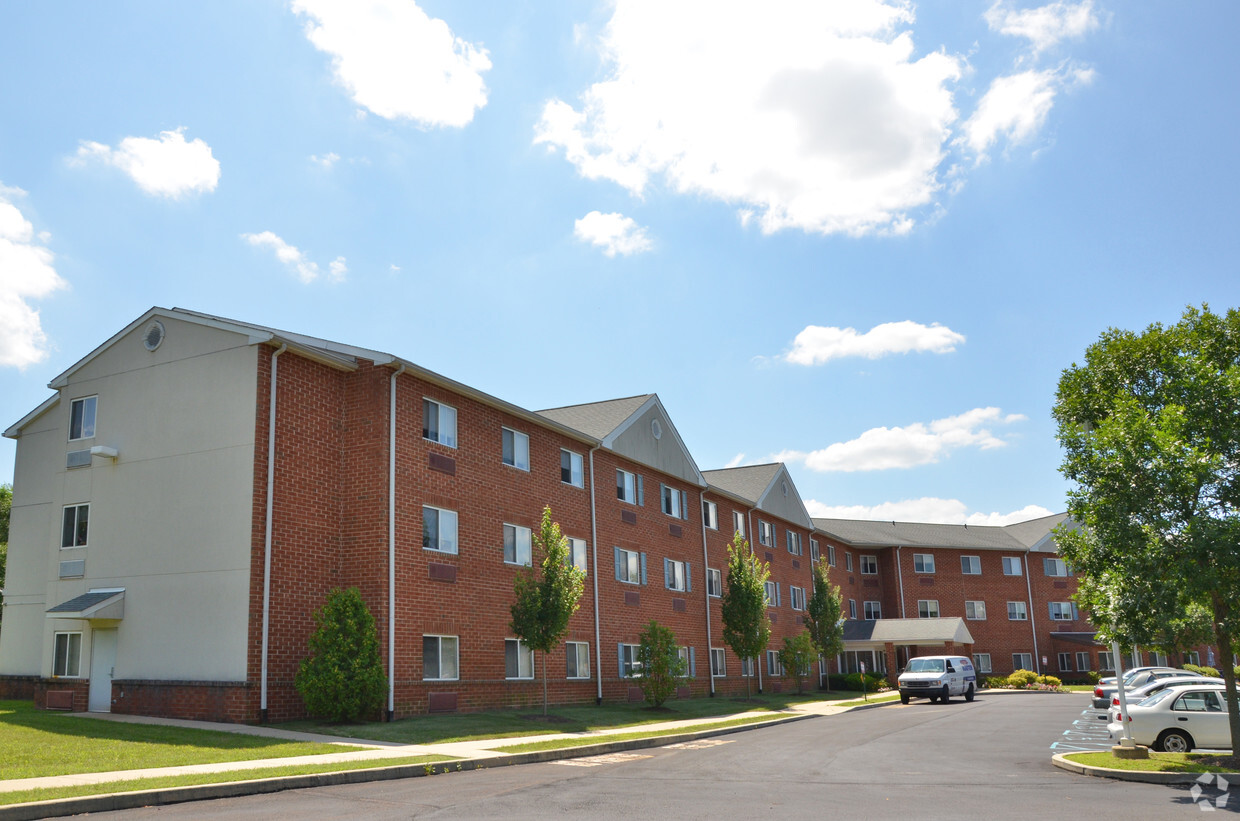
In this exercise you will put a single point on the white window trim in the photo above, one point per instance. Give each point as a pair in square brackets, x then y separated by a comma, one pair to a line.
[522, 542]
[673, 502]
[624, 554]
[1064, 609]
[936, 613]
[927, 562]
[676, 576]
[793, 541]
[517, 436]
[573, 650]
[456, 641]
[973, 559]
[738, 523]
[872, 613]
[873, 562]
[94, 417]
[1088, 663]
[982, 662]
[626, 480]
[717, 584]
[529, 654]
[720, 670]
[440, 440]
[1058, 564]
[1062, 668]
[1009, 561]
[852, 609]
[796, 596]
[68, 644]
[1020, 665]
[575, 546]
[977, 605]
[774, 667]
[848, 565]
[76, 524]
[1021, 611]
[631, 659]
[576, 468]
[831, 555]
[710, 512]
[766, 534]
[455, 542]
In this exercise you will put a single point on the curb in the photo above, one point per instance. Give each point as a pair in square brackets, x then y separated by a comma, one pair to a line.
[1061, 761]
[235, 789]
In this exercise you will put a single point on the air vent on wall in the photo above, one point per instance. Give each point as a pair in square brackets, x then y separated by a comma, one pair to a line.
[73, 569]
[77, 459]
[153, 336]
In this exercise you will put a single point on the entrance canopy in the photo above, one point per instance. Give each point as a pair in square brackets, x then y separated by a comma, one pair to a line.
[97, 604]
[920, 632]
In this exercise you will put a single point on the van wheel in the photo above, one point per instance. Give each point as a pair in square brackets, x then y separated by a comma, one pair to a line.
[903, 699]
[947, 694]
[968, 694]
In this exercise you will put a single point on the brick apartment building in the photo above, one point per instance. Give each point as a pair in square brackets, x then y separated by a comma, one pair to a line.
[196, 486]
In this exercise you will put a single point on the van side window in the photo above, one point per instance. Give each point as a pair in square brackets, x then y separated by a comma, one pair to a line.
[950, 669]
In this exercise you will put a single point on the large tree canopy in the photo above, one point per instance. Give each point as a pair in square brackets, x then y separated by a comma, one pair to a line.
[1150, 427]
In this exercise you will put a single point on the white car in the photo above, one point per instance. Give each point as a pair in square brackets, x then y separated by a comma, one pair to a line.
[938, 678]
[1151, 687]
[1179, 719]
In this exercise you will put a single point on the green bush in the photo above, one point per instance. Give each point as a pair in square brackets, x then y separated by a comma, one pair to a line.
[996, 681]
[797, 657]
[342, 679]
[1201, 670]
[1050, 681]
[1094, 676]
[852, 681]
[1022, 677]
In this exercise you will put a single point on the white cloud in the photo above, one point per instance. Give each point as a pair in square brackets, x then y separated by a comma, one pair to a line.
[614, 233]
[1045, 26]
[1015, 107]
[26, 274]
[906, 447]
[167, 166]
[926, 509]
[817, 344]
[397, 61]
[327, 160]
[737, 461]
[295, 260]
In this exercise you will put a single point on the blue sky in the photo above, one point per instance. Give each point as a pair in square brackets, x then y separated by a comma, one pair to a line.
[864, 238]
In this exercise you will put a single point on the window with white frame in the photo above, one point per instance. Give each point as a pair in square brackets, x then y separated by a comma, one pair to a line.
[675, 502]
[923, 562]
[1106, 660]
[75, 526]
[718, 666]
[814, 555]
[772, 593]
[516, 448]
[747, 668]
[1159, 659]
[517, 545]
[927, 608]
[975, 610]
[774, 667]
[630, 667]
[440, 658]
[852, 608]
[438, 529]
[1022, 661]
[1065, 662]
[982, 662]
[714, 582]
[578, 656]
[1017, 611]
[82, 418]
[1194, 658]
[577, 553]
[848, 562]
[628, 487]
[1062, 611]
[738, 523]
[794, 542]
[1055, 567]
[439, 422]
[873, 610]
[1011, 566]
[710, 514]
[796, 597]
[971, 565]
[571, 472]
[869, 565]
[1082, 661]
[518, 659]
[766, 533]
[630, 566]
[685, 655]
[831, 555]
[676, 576]
[67, 655]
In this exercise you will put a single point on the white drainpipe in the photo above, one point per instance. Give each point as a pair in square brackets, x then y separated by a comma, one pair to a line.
[706, 588]
[1033, 628]
[391, 659]
[271, 470]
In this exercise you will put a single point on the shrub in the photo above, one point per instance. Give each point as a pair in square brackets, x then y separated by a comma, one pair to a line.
[1050, 681]
[852, 681]
[797, 656]
[342, 679]
[1192, 668]
[661, 664]
[1020, 678]
[1094, 676]
[996, 681]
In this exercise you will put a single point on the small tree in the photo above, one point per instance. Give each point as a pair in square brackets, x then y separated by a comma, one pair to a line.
[342, 679]
[746, 625]
[6, 506]
[797, 654]
[824, 613]
[546, 600]
[661, 664]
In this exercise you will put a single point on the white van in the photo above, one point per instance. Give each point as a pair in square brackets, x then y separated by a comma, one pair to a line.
[938, 678]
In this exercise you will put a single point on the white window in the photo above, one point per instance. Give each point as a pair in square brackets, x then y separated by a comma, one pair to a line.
[869, 565]
[578, 653]
[975, 610]
[794, 542]
[1022, 661]
[685, 654]
[439, 423]
[813, 550]
[76, 525]
[774, 667]
[796, 596]
[516, 449]
[440, 659]
[67, 655]
[82, 420]
[971, 565]
[517, 545]
[1065, 662]
[630, 566]
[1011, 566]
[577, 553]
[1159, 659]
[570, 468]
[873, 610]
[831, 555]
[1106, 660]
[982, 662]
[675, 502]
[852, 608]
[738, 523]
[629, 665]
[1082, 661]
[714, 582]
[518, 659]
[628, 487]
[438, 529]
[1062, 611]
[747, 668]
[1016, 611]
[848, 562]
[677, 576]
[1194, 658]
[766, 533]
[923, 562]
[718, 667]
[1055, 567]
[772, 594]
[927, 608]
[710, 514]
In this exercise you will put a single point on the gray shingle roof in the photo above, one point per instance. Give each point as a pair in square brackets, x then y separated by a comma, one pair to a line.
[86, 601]
[597, 419]
[913, 534]
[748, 482]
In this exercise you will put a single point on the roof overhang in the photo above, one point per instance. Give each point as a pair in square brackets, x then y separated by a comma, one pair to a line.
[922, 632]
[95, 605]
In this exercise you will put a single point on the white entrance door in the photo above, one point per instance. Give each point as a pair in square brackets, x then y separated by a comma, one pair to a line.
[102, 666]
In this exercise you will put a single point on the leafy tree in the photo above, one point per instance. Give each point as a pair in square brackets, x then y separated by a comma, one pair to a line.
[746, 625]
[342, 679]
[797, 654]
[6, 508]
[1150, 427]
[661, 664]
[824, 613]
[546, 601]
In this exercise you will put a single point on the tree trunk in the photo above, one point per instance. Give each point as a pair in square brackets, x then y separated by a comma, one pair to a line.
[1223, 638]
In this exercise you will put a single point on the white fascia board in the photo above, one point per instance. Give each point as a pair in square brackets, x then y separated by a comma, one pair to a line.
[654, 402]
[783, 473]
[16, 429]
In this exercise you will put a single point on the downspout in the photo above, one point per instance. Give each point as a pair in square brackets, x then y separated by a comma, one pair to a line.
[391, 659]
[706, 589]
[271, 472]
[1033, 628]
[598, 641]
[900, 580]
[756, 662]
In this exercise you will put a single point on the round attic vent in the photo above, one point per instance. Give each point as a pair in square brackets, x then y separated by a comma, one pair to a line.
[784, 487]
[153, 336]
[655, 428]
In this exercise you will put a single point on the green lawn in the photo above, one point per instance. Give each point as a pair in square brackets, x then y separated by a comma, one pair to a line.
[1159, 762]
[40, 743]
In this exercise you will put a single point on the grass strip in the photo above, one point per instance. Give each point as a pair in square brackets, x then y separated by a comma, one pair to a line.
[1157, 762]
[588, 741]
[872, 700]
[195, 779]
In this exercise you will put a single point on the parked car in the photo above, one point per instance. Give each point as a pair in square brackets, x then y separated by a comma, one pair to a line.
[1133, 679]
[1111, 679]
[938, 678]
[1178, 720]
[1150, 688]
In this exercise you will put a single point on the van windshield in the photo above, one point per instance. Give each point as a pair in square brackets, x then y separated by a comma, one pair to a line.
[925, 666]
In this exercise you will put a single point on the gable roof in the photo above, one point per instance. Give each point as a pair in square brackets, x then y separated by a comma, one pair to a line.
[1021, 536]
[766, 487]
[598, 419]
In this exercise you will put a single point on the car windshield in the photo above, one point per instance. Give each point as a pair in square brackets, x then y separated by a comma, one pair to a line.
[925, 666]
[1157, 697]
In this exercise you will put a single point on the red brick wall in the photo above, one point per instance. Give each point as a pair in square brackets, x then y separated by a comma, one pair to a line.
[194, 700]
